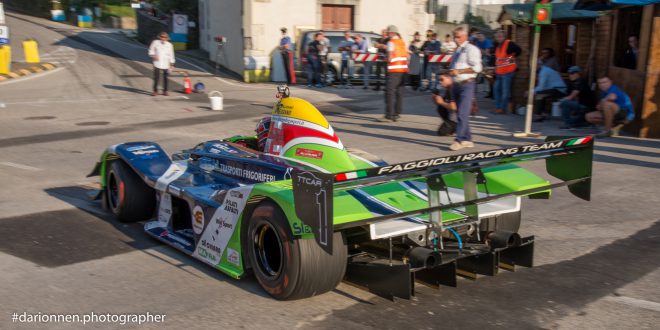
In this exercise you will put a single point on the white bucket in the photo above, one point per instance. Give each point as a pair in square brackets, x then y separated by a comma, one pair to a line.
[216, 100]
[556, 110]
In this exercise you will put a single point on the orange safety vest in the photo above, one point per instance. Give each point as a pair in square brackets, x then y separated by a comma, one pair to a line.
[398, 62]
[504, 63]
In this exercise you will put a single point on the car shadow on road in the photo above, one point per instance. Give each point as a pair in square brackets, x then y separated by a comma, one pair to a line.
[88, 232]
[526, 299]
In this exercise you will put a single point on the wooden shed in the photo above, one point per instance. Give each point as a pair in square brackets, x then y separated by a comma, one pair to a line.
[622, 19]
[593, 34]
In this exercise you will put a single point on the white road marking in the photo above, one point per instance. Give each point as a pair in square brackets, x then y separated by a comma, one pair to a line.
[21, 166]
[72, 101]
[650, 305]
[30, 77]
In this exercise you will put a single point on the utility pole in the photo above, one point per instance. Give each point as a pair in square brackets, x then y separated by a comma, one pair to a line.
[542, 16]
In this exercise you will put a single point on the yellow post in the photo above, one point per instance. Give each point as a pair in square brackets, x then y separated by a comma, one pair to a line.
[31, 49]
[5, 59]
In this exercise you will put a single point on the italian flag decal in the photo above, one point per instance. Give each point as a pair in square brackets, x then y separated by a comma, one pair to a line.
[350, 175]
[579, 141]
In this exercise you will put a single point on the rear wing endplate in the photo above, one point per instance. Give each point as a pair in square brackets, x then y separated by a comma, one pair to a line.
[567, 159]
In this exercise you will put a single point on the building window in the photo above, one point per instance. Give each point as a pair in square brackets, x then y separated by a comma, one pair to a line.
[626, 41]
[337, 17]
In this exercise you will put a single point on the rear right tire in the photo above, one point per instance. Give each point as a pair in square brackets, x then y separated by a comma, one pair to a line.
[288, 267]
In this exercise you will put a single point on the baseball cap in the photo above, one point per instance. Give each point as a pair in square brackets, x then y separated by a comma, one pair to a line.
[392, 29]
[574, 69]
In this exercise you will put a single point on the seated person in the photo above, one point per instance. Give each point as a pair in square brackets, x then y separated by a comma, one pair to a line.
[579, 101]
[446, 106]
[550, 86]
[614, 108]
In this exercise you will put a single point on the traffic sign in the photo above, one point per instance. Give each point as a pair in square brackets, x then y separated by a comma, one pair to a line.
[4, 35]
[543, 13]
[2, 14]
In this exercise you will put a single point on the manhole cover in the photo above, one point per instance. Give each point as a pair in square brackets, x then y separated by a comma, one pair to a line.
[93, 123]
[40, 118]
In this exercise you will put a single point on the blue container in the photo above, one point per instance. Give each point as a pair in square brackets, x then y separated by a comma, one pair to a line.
[178, 37]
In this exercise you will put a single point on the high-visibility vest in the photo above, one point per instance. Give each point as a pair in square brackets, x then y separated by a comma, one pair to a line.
[504, 63]
[398, 61]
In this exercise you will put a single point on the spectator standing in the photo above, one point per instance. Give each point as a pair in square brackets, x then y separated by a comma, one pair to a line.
[578, 102]
[381, 64]
[361, 47]
[162, 54]
[631, 53]
[485, 45]
[397, 67]
[448, 46]
[415, 65]
[425, 61]
[433, 68]
[464, 67]
[346, 47]
[287, 56]
[551, 87]
[506, 53]
[446, 105]
[614, 108]
[313, 61]
[547, 58]
[323, 57]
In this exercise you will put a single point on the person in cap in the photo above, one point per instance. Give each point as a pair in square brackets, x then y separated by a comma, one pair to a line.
[287, 56]
[397, 68]
[578, 102]
[381, 45]
[161, 52]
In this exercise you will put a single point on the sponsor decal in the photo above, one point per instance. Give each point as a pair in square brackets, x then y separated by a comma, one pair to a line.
[175, 171]
[198, 219]
[220, 228]
[165, 209]
[284, 110]
[308, 153]
[218, 148]
[454, 159]
[142, 147]
[233, 257]
[144, 151]
[300, 228]
[245, 173]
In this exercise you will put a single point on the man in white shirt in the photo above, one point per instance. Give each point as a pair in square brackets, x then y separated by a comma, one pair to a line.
[161, 52]
[464, 67]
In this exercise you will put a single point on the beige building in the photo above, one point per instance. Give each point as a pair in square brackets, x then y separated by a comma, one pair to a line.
[252, 27]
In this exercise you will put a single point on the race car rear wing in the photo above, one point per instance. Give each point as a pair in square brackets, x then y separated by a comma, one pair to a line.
[568, 159]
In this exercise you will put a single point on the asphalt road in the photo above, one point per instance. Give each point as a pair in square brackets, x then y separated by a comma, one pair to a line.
[596, 262]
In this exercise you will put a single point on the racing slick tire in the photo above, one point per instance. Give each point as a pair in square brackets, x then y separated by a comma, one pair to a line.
[287, 267]
[128, 197]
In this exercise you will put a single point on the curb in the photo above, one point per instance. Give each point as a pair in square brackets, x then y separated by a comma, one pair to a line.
[27, 71]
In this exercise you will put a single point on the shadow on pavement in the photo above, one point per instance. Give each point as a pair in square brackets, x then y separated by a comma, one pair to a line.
[60, 238]
[127, 89]
[528, 299]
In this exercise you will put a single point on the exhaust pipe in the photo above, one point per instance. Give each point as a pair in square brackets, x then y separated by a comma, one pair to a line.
[503, 239]
[423, 257]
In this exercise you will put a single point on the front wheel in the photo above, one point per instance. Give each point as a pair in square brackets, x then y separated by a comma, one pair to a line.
[288, 267]
[128, 197]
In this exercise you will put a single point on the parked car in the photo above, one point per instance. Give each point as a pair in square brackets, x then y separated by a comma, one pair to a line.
[334, 56]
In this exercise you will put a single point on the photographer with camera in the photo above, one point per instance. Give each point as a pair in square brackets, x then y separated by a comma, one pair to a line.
[446, 105]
